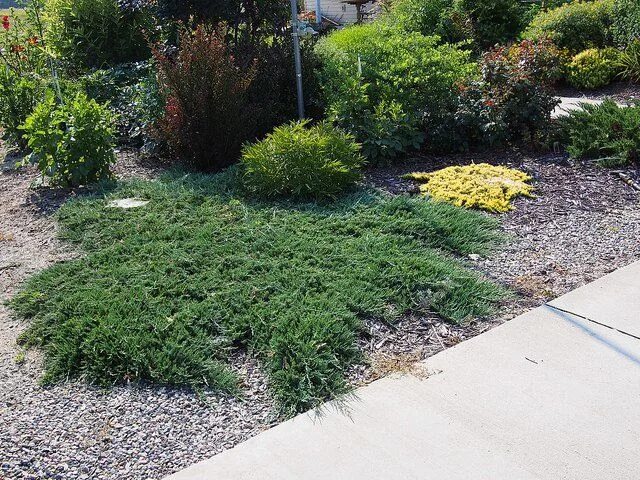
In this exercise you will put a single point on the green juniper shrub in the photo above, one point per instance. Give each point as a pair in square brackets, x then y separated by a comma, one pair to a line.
[630, 62]
[626, 22]
[168, 292]
[385, 85]
[97, 33]
[607, 133]
[302, 161]
[576, 26]
[71, 143]
[594, 68]
[206, 122]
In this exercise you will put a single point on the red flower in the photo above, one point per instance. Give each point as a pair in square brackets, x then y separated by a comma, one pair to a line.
[489, 103]
[5, 22]
[33, 41]
[17, 48]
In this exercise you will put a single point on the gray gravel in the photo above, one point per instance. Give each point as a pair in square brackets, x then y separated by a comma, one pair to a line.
[583, 224]
[73, 431]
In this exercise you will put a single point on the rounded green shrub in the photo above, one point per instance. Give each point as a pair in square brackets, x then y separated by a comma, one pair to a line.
[72, 144]
[493, 22]
[387, 86]
[576, 26]
[484, 23]
[97, 33]
[593, 68]
[302, 161]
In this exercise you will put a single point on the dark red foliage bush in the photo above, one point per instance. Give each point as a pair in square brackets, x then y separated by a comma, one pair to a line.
[512, 102]
[209, 112]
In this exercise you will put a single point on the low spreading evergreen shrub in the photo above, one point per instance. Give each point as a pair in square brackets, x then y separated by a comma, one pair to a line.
[607, 133]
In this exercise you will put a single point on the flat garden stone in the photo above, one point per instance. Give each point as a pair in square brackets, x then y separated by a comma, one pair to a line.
[127, 203]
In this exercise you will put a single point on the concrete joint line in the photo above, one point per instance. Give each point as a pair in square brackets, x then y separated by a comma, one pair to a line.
[591, 320]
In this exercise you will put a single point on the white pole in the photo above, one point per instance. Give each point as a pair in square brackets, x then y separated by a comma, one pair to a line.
[318, 12]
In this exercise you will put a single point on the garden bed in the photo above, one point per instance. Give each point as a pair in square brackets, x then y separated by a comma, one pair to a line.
[584, 223]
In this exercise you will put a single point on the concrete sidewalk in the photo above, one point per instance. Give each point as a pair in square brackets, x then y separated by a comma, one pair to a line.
[552, 394]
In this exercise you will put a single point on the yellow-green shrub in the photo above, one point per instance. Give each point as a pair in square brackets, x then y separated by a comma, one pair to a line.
[481, 185]
[576, 26]
[594, 68]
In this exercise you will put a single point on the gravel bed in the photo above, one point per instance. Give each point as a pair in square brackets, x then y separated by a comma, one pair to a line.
[73, 431]
[583, 224]
[619, 91]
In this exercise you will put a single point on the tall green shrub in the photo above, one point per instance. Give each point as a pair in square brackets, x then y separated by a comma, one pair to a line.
[493, 22]
[19, 95]
[626, 21]
[577, 26]
[486, 23]
[97, 33]
[386, 86]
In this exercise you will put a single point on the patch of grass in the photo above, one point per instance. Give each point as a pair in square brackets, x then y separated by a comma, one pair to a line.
[166, 291]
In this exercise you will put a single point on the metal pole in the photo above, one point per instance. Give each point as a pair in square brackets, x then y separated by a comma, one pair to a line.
[296, 54]
[318, 12]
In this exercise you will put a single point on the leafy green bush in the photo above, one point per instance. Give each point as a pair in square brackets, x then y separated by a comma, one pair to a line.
[607, 132]
[486, 23]
[431, 17]
[71, 143]
[594, 68]
[626, 22]
[385, 85]
[97, 33]
[493, 22]
[577, 26]
[133, 95]
[19, 95]
[630, 62]
[302, 161]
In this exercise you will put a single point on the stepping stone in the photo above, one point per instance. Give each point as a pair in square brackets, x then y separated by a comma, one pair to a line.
[127, 203]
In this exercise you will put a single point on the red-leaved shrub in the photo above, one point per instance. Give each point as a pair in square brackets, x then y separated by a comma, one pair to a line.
[208, 113]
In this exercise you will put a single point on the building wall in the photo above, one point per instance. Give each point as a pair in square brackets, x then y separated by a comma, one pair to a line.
[336, 10]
